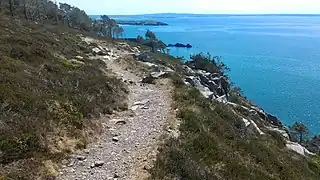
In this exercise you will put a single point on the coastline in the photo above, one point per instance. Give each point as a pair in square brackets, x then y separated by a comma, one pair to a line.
[269, 73]
[79, 102]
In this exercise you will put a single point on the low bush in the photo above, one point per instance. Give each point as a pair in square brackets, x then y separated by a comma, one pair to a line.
[212, 146]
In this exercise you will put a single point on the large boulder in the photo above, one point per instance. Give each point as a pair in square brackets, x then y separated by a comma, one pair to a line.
[282, 132]
[160, 74]
[314, 145]
[151, 77]
[196, 82]
[187, 69]
[208, 83]
[141, 56]
[100, 51]
[274, 120]
[298, 148]
[251, 127]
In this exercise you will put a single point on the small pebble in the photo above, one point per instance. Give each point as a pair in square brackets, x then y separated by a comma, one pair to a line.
[81, 158]
[98, 163]
[115, 139]
[147, 167]
[87, 151]
[116, 175]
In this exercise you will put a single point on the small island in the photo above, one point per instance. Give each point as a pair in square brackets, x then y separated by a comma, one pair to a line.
[180, 45]
[141, 23]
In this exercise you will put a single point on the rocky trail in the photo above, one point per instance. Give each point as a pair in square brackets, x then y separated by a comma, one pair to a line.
[128, 145]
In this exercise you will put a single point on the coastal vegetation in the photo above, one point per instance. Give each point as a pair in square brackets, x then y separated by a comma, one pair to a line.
[51, 93]
[299, 130]
[62, 15]
[151, 41]
[107, 27]
[213, 142]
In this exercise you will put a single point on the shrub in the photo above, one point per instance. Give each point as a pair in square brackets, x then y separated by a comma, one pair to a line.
[207, 63]
[235, 94]
[211, 145]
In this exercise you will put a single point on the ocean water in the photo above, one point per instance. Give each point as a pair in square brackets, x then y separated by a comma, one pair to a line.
[274, 59]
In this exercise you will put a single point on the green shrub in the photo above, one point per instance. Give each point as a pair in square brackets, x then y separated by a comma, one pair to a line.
[69, 64]
[314, 164]
[18, 147]
[211, 145]
[278, 138]
[207, 63]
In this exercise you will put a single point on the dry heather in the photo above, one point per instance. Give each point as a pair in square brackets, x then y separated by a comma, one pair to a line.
[48, 95]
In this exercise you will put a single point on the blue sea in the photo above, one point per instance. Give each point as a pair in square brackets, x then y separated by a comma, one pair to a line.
[275, 59]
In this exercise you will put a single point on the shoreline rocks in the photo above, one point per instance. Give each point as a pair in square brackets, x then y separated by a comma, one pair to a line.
[211, 85]
[214, 86]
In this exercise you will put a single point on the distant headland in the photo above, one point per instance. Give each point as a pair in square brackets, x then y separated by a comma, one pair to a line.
[141, 23]
[120, 20]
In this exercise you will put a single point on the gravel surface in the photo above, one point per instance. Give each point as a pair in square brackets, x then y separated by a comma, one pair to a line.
[130, 138]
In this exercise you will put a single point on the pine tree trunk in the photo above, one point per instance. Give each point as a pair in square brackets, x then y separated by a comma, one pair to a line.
[114, 33]
[109, 32]
[38, 10]
[25, 9]
[11, 8]
[57, 19]
[56, 13]
[153, 46]
[68, 21]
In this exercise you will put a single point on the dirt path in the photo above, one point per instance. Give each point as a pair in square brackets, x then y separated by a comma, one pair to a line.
[128, 144]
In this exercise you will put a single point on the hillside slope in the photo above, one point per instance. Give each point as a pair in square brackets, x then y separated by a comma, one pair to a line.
[220, 139]
[49, 89]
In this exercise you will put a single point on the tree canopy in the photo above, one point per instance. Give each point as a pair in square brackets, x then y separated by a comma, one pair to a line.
[46, 11]
[150, 35]
[299, 130]
[152, 41]
[212, 64]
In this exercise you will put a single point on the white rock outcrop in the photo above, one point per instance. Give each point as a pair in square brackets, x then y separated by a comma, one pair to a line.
[196, 82]
[150, 64]
[211, 85]
[280, 131]
[298, 148]
[249, 122]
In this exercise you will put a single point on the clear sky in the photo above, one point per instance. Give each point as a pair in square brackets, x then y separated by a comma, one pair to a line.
[128, 7]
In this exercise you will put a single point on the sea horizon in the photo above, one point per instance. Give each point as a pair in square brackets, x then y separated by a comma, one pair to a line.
[214, 14]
